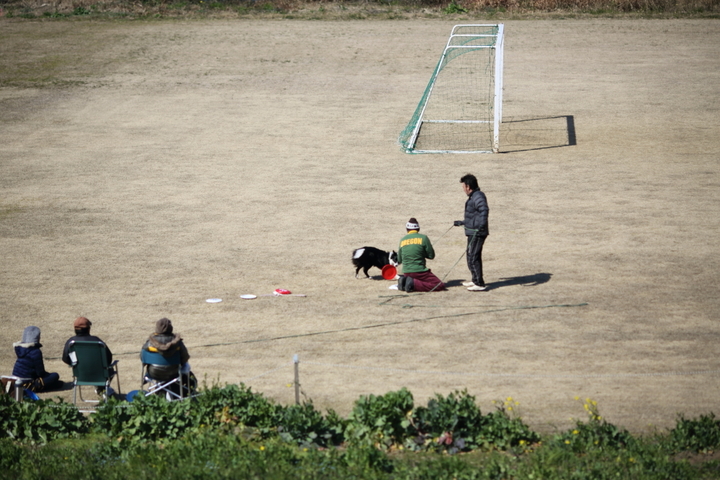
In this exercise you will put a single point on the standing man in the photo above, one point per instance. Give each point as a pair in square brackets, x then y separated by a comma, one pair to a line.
[476, 231]
[414, 249]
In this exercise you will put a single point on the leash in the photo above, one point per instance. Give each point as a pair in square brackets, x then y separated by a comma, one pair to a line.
[446, 232]
[442, 280]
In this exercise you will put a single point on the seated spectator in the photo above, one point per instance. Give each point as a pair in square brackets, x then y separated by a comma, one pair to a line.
[165, 342]
[82, 334]
[30, 364]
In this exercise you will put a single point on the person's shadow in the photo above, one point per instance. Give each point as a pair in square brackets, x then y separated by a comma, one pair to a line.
[524, 280]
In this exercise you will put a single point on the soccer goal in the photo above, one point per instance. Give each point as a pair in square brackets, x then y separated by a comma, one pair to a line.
[461, 109]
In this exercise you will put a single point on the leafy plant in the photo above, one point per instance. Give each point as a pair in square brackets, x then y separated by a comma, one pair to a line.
[238, 405]
[381, 420]
[449, 423]
[40, 421]
[153, 418]
[453, 7]
[232, 432]
[304, 425]
[595, 434]
[503, 432]
[699, 435]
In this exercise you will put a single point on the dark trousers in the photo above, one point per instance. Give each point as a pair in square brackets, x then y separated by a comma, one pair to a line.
[49, 382]
[474, 258]
[426, 282]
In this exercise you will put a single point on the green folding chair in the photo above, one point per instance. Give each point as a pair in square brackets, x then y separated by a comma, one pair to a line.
[90, 368]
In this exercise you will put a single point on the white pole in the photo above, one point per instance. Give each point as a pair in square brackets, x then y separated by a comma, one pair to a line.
[499, 49]
[296, 362]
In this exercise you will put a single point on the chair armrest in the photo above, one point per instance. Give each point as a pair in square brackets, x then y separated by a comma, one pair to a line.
[115, 362]
[18, 380]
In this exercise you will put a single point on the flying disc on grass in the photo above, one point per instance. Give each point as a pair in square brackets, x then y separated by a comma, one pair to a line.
[214, 300]
[248, 296]
[389, 272]
[281, 292]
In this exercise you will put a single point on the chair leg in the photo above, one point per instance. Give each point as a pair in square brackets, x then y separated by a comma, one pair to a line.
[117, 378]
[19, 392]
[142, 377]
[79, 390]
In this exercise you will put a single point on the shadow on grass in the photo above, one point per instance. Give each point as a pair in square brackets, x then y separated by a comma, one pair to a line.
[537, 133]
[525, 280]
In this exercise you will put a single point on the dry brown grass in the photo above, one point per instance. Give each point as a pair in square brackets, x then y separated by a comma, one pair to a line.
[147, 166]
[354, 10]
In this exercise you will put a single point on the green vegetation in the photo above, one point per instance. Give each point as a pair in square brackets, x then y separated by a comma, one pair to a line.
[232, 432]
[358, 10]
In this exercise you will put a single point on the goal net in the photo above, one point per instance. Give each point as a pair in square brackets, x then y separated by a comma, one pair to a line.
[461, 109]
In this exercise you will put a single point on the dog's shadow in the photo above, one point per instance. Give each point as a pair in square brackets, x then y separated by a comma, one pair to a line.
[524, 280]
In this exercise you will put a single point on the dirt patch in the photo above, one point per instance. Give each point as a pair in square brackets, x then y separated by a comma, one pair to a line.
[166, 163]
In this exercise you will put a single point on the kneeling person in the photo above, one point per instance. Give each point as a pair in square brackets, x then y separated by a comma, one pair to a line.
[414, 249]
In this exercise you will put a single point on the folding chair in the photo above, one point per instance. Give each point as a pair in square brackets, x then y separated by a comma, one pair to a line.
[172, 386]
[90, 367]
[13, 385]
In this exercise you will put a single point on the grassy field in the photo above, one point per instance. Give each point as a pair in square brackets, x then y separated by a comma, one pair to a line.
[361, 10]
[148, 166]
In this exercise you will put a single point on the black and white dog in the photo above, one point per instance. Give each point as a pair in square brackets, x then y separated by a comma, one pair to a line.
[368, 257]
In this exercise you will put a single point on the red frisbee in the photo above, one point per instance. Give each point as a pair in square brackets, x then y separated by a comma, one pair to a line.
[389, 272]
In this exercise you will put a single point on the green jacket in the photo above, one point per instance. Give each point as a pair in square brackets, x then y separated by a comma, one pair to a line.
[414, 249]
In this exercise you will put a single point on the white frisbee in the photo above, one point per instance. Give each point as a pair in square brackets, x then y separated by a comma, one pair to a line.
[214, 300]
[248, 296]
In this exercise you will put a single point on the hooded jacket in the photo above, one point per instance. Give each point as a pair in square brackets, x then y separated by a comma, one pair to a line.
[29, 363]
[167, 344]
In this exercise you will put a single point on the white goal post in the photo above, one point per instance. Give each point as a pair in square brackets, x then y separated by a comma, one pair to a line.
[461, 108]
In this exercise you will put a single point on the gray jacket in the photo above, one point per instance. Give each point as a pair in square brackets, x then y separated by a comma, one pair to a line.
[476, 214]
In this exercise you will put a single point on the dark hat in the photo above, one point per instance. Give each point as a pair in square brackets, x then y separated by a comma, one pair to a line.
[164, 325]
[82, 322]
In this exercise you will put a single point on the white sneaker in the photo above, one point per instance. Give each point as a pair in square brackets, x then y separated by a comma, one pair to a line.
[468, 284]
[477, 288]
[393, 287]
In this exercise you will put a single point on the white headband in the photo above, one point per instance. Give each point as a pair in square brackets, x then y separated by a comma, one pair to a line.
[412, 226]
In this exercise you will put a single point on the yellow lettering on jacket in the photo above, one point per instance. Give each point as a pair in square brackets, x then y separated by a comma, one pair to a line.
[411, 241]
